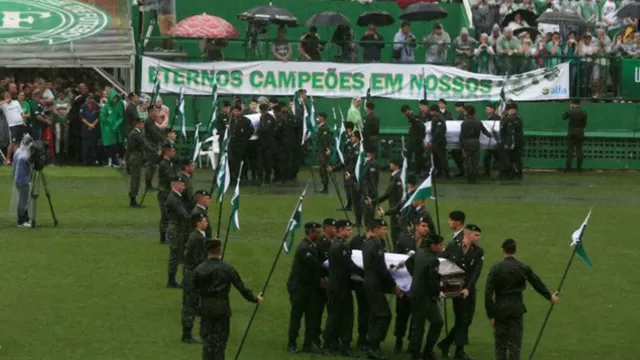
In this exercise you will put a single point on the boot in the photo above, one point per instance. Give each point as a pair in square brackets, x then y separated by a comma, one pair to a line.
[398, 348]
[346, 352]
[172, 283]
[187, 338]
[444, 349]
[133, 203]
[292, 348]
[376, 354]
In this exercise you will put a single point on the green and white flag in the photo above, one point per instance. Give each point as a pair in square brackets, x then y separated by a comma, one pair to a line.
[180, 113]
[224, 174]
[340, 133]
[156, 87]
[577, 242]
[235, 204]
[362, 157]
[367, 97]
[403, 173]
[423, 192]
[214, 109]
[308, 126]
[294, 224]
[196, 134]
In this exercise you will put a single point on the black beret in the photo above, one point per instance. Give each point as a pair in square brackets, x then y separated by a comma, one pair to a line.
[202, 193]
[423, 102]
[168, 145]
[575, 101]
[512, 106]
[356, 133]
[342, 223]
[302, 91]
[458, 104]
[397, 161]
[322, 115]
[376, 223]
[473, 227]
[411, 179]
[177, 179]
[443, 101]
[186, 162]
[420, 220]
[226, 103]
[434, 108]
[493, 106]
[139, 120]
[457, 215]
[312, 226]
[434, 239]
[264, 107]
[349, 125]
[196, 217]
[237, 107]
[329, 222]
[212, 244]
[273, 100]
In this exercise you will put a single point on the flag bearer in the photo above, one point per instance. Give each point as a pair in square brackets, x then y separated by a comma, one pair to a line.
[393, 194]
[324, 144]
[369, 180]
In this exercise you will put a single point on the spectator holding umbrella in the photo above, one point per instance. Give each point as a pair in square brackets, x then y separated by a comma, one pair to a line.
[437, 45]
[372, 44]
[310, 45]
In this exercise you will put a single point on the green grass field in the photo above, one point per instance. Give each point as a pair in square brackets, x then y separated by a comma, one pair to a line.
[94, 287]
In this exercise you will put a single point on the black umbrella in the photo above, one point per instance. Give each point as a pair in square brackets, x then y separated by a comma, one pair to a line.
[423, 12]
[269, 13]
[528, 16]
[631, 10]
[533, 32]
[327, 19]
[559, 18]
[377, 18]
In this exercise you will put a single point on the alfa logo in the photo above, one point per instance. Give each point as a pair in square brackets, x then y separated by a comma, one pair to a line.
[48, 21]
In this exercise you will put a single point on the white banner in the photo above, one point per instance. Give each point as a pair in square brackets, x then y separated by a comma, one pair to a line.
[337, 80]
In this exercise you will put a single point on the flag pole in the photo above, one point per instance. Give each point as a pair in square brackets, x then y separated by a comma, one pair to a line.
[335, 185]
[546, 318]
[226, 236]
[219, 216]
[273, 267]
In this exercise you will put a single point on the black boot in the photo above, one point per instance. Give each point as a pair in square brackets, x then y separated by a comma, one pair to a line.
[398, 348]
[444, 349]
[188, 338]
[346, 352]
[133, 203]
[292, 348]
[172, 283]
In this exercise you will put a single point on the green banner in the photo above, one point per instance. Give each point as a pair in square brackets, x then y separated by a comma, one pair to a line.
[630, 78]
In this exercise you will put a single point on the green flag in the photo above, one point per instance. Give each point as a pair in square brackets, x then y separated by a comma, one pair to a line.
[577, 242]
[235, 204]
[156, 87]
[294, 224]
[423, 192]
[224, 174]
[214, 109]
[362, 157]
[367, 97]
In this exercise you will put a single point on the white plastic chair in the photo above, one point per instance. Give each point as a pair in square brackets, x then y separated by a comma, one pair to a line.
[210, 150]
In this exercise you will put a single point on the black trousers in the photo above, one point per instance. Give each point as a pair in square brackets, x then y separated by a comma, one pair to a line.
[284, 162]
[575, 143]
[428, 311]
[458, 158]
[297, 153]
[363, 312]
[237, 153]
[356, 201]
[463, 310]
[415, 157]
[403, 313]
[380, 317]
[266, 154]
[506, 167]
[339, 326]
[303, 304]
[321, 304]
[508, 338]
[347, 191]
[440, 159]
[251, 160]
[516, 159]
[215, 334]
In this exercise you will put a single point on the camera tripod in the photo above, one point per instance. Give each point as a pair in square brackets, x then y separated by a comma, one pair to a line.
[38, 178]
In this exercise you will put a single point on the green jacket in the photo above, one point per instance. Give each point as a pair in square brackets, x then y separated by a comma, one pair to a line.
[111, 119]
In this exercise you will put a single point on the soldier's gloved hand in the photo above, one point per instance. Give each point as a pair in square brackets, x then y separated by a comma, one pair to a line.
[260, 298]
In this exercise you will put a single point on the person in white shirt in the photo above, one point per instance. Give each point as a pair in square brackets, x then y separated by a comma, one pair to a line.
[456, 223]
[12, 110]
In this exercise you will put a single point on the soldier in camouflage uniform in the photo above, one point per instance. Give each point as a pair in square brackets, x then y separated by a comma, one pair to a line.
[166, 172]
[178, 216]
[194, 255]
[369, 186]
[137, 147]
[324, 144]
[470, 143]
[202, 199]
[503, 300]
[208, 290]
[155, 139]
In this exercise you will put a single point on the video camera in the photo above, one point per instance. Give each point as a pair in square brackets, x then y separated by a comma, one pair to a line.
[39, 154]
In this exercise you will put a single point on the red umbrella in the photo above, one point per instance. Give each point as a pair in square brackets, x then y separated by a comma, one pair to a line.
[403, 4]
[204, 27]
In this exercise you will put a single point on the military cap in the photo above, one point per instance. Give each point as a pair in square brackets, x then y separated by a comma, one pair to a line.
[512, 106]
[138, 120]
[343, 223]
[493, 106]
[412, 179]
[253, 99]
[212, 244]
[443, 101]
[376, 223]
[329, 222]
[168, 145]
[356, 133]
[322, 115]
[237, 107]
[186, 162]
[397, 161]
[423, 102]
[177, 179]
[457, 215]
[349, 125]
[273, 100]
[226, 103]
[310, 226]
[202, 193]
[198, 216]
[575, 101]
[434, 239]
[420, 220]
[264, 107]
[302, 91]
[473, 227]
[459, 104]
[434, 108]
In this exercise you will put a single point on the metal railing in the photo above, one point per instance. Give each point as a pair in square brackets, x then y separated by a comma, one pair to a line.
[598, 76]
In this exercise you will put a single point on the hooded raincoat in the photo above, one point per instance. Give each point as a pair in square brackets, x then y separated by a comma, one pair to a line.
[111, 118]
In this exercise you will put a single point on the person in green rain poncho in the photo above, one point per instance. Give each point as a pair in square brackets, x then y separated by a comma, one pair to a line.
[111, 119]
[353, 115]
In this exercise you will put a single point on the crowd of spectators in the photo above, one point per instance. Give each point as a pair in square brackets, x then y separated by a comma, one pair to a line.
[67, 115]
